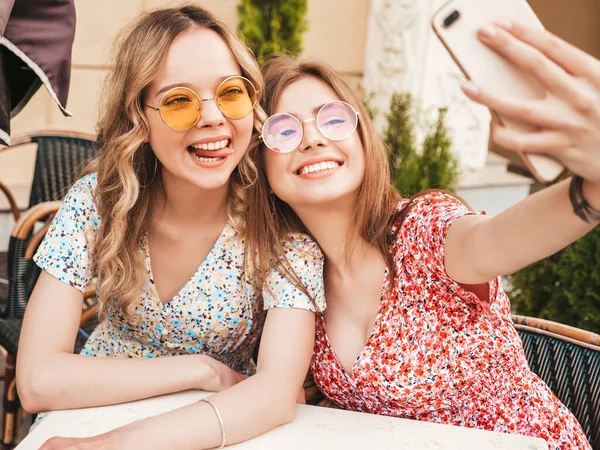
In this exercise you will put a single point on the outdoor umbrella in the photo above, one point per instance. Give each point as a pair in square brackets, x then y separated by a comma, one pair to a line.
[37, 38]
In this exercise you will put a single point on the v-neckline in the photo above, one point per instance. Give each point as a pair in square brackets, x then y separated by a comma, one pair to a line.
[154, 290]
[376, 324]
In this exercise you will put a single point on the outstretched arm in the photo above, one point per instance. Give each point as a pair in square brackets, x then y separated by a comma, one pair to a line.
[568, 121]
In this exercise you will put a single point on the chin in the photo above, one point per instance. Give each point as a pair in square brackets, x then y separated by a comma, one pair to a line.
[316, 200]
[211, 183]
[323, 197]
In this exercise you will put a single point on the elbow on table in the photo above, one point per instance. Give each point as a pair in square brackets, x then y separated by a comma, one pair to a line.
[289, 413]
[32, 389]
[285, 411]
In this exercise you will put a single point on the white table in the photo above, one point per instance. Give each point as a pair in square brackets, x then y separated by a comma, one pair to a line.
[313, 428]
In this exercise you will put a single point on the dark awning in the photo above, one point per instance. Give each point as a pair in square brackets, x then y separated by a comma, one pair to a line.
[37, 39]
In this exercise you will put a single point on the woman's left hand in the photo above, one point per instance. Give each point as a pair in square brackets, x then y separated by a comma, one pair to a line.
[568, 117]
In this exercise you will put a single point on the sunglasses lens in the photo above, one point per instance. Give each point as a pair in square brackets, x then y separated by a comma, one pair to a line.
[282, 133]
[180, 108]
[236, 97]
[337, 120]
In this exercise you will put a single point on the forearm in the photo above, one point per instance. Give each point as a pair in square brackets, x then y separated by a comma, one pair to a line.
[67, 381]
[533, 229]
[248, 409]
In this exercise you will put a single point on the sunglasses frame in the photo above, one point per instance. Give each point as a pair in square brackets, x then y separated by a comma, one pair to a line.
[201, 100]
[314, 119]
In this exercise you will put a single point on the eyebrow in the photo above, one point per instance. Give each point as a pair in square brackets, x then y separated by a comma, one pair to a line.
[171, 86]
[189, 85]
[276, 120]
[315, 112]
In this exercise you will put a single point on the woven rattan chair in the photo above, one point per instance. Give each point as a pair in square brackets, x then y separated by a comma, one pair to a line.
[23, 274]
[60, 158]
[12, 202]
[568, 360]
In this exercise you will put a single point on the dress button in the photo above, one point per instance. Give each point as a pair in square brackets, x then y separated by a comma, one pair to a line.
[164, 332]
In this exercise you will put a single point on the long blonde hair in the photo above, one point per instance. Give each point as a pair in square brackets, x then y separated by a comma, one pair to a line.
[270, 220]
[128, 171]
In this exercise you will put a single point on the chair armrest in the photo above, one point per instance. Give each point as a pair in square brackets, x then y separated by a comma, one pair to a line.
[26, 138]
[557, 330]
[36, 239]
[28, 219]
[24, 227]
[11, 201]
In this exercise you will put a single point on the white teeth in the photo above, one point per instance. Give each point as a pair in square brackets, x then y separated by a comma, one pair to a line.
[203, 159]
[326, 165]
[212, 145]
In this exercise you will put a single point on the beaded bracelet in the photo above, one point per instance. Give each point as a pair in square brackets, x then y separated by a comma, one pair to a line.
[223, 434]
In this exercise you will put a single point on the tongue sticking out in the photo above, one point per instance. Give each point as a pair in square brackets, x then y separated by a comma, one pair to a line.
[221, 153]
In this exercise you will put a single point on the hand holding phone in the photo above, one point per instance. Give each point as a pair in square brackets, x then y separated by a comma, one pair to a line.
[456, 24]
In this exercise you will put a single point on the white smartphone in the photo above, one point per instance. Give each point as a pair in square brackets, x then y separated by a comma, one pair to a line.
[456, 25]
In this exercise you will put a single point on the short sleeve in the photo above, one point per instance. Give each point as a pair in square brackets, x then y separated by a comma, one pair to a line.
[422, 239]
[306, 258]
[426, 225]
[65, 250]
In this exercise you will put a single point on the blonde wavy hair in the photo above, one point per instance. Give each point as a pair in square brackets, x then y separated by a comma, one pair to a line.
[128, 172]
[270, 221]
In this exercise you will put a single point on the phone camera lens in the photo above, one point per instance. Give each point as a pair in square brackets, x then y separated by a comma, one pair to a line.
[451, 18]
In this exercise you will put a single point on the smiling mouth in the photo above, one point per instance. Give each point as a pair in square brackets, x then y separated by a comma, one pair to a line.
[318, 167]
[211, 151]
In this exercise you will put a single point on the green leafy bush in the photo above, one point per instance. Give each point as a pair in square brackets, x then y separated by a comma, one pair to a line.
[564, 287]
[435, 166]
[273, 26]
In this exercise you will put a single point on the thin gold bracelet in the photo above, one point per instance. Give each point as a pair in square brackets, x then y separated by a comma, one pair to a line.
[223, 434]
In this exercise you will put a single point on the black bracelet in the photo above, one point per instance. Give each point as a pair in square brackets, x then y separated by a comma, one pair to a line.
[580, 206]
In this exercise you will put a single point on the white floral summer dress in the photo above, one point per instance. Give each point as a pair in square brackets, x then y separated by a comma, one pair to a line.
[219, 312]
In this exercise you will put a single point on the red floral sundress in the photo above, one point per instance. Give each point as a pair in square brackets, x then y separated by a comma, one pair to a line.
[437, 354]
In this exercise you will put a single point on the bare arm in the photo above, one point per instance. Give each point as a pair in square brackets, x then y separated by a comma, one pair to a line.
[51, 377]
[568, 123]
[479, 248]
[248, 409]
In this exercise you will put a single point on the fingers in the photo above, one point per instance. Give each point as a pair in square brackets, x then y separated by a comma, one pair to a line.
[570, 58]
[528, 111]
[549, 142]
[529, 59]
